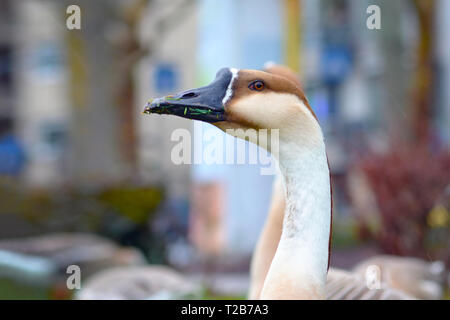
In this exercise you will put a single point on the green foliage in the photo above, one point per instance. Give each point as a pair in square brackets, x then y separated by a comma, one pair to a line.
[119, 207]
[209, 295]
[344, 233]
[12, 290]
[134, 203]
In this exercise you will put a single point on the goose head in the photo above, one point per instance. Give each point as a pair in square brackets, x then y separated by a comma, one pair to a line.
[246, 99]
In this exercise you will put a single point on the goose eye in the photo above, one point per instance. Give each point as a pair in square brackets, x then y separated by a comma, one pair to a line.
[257, 85]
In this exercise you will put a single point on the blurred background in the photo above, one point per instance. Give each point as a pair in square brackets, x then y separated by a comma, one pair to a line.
[85, 179]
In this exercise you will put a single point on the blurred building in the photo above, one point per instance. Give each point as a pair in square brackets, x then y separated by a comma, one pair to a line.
[61, 146]
[42, 107]
[169, 31]
[65, 109]
[7, 47]
[12, 157]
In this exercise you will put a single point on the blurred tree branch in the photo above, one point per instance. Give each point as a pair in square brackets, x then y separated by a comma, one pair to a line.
[110, 48]
[422, 85]
[130, 51]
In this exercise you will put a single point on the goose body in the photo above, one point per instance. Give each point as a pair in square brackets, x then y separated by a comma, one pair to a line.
[400, 277]
[340, 284]
[296, 265]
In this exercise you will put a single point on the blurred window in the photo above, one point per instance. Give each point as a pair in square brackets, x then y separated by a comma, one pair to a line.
[12, 155]
[55, 137]
[5, 68]
[165, 78]
[5, 6]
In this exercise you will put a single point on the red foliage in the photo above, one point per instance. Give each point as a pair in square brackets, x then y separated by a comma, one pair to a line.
[408, 183]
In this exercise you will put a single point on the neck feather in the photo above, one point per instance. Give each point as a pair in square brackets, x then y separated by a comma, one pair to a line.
[299, 268]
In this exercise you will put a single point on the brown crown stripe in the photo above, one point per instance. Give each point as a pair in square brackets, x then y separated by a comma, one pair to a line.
[284, 72]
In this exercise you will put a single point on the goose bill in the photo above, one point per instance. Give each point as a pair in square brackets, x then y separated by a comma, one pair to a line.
[204, 103]
[184, 110]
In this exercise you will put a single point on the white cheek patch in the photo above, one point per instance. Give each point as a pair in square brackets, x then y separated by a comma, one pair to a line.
[229, 92]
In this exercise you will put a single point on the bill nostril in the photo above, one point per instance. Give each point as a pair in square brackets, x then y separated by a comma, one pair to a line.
[189, 95]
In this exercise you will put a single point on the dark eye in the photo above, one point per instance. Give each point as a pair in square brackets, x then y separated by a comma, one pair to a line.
[257, 85]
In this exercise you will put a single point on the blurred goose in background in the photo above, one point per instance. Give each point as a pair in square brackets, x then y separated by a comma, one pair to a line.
[43, 260]
[416, 277]
[139, 283]
[251, 99]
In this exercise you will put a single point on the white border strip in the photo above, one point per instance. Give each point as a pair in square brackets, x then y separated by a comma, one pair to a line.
[229, 92]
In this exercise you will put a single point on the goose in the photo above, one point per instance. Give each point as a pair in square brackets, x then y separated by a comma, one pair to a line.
[253, 99]
[89, 251]
[417, 278]
[139, 283]
[108, 271]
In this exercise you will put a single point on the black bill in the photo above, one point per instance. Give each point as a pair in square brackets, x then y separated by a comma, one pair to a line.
[203, 103]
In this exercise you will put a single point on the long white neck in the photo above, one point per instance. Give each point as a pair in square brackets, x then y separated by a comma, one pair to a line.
[299, 267]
